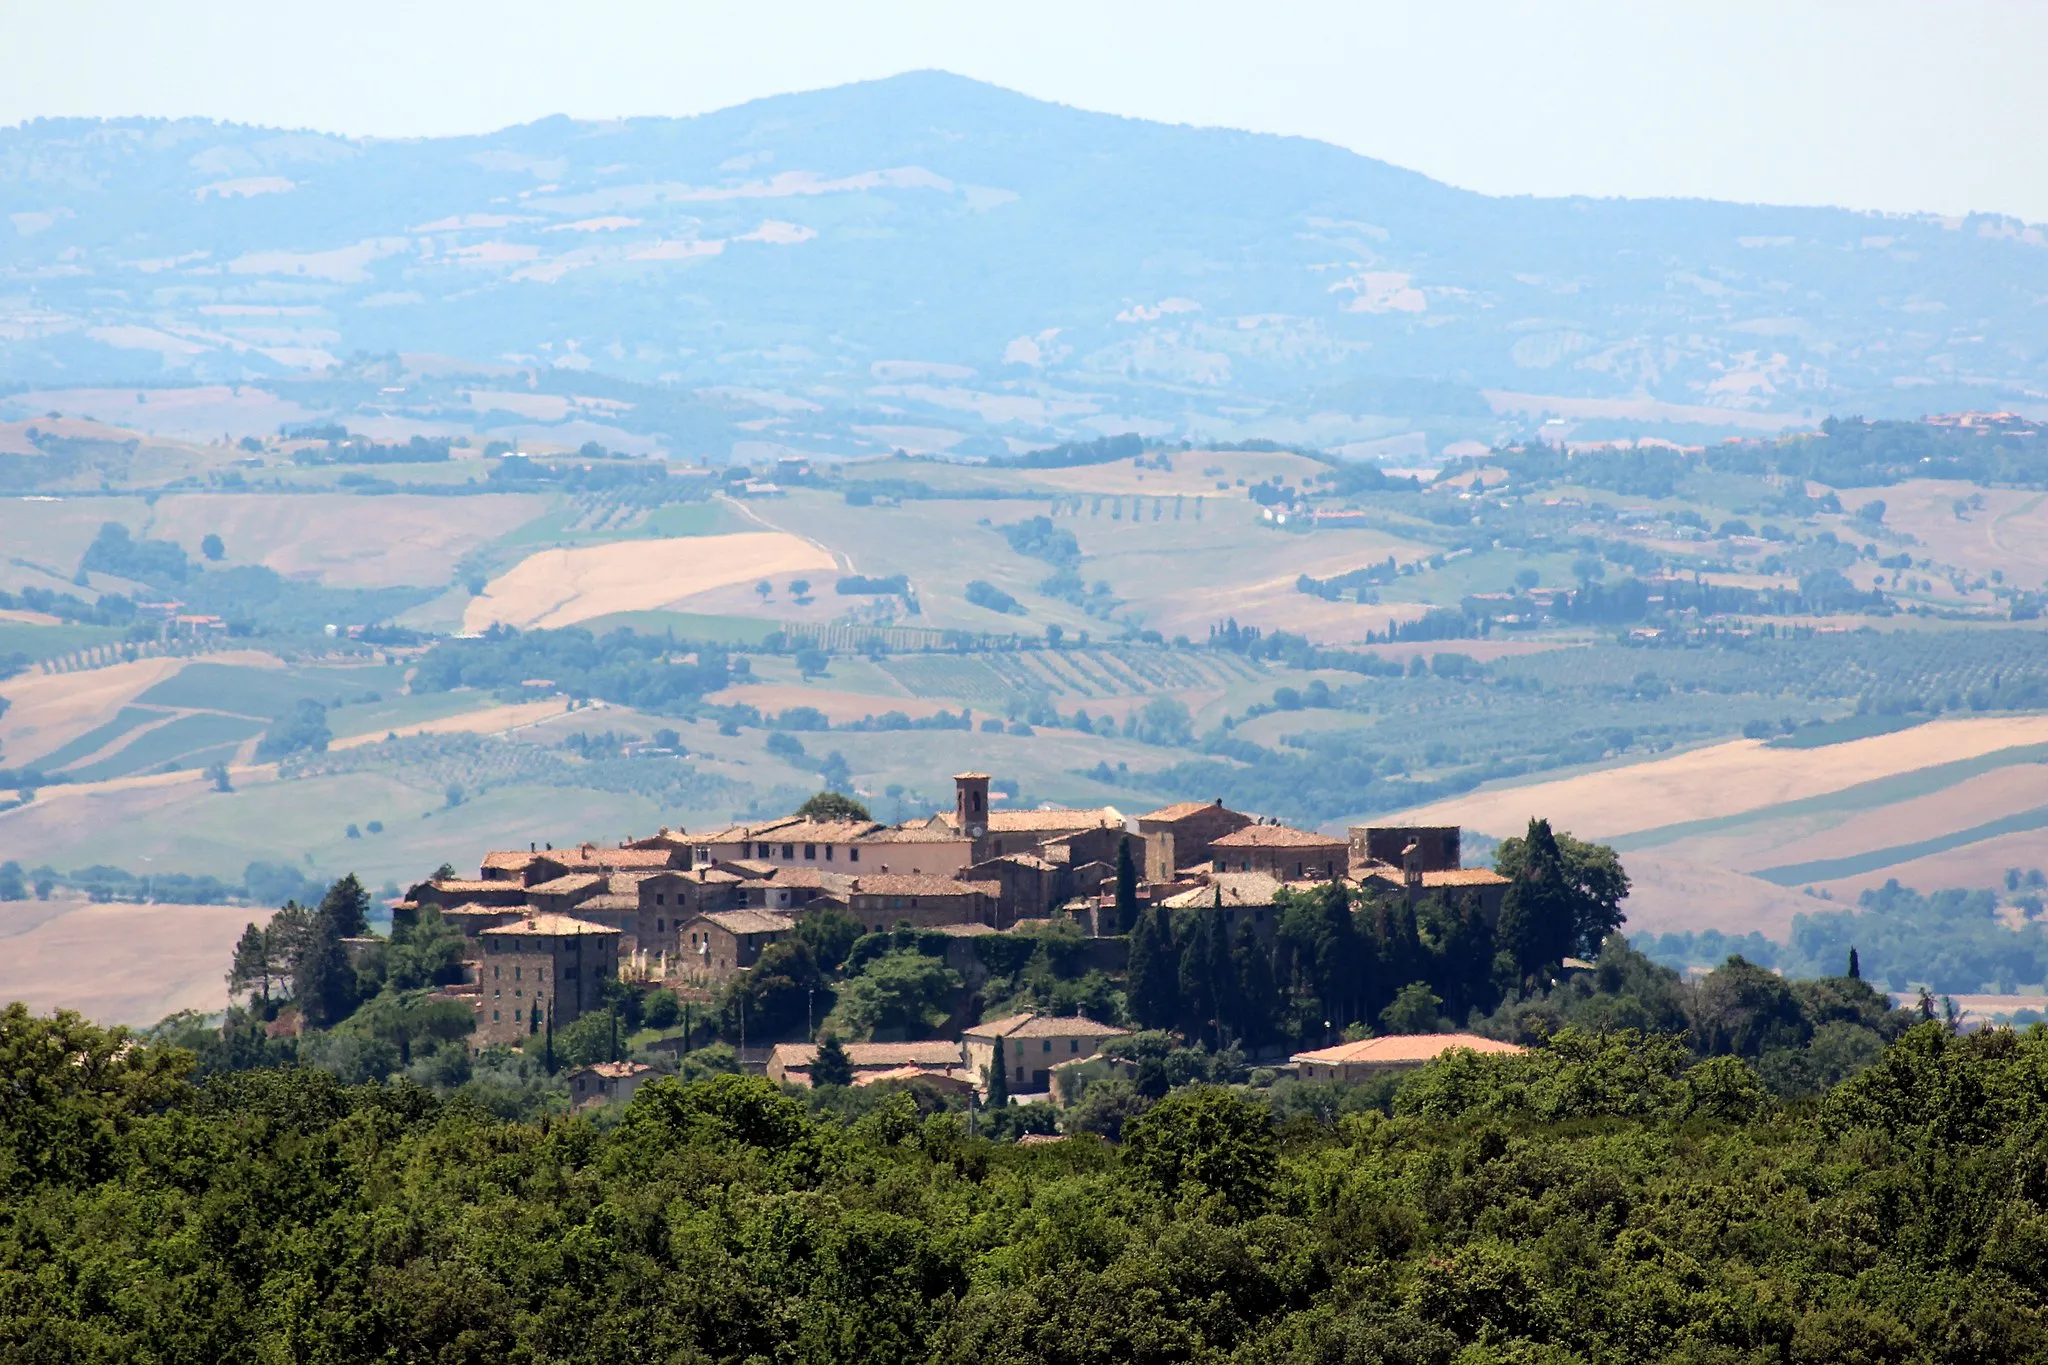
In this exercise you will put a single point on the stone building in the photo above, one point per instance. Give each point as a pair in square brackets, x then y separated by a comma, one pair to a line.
[719, 943]
[1028, 1046]
[540, 969]
[603, 1082]
[1287, 854]
[883, 901]
[1436, 848]
[1193, 826]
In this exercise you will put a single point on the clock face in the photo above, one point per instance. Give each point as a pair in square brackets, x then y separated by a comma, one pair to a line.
[974, 831]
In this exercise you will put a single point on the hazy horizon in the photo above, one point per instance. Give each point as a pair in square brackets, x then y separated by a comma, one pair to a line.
[1893, 107]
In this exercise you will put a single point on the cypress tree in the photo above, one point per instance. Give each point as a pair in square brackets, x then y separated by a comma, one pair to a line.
[324, 983]
[1206, 978]
[1153, 989]
[1256, 1005]
[832, 1066]
[997, 1078]
[1855, 966]
[1537, 921]
[348, 905]
[1126, 889]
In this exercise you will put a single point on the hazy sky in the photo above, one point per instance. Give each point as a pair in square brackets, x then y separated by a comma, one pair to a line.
[1886, 104]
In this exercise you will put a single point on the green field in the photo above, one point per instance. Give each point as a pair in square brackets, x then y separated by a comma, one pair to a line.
[267, 691]
[724, 630]
[182, 741]
[92, 741]
[47, 642]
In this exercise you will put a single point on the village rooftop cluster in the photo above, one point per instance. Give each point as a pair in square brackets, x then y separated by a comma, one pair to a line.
[546, 930]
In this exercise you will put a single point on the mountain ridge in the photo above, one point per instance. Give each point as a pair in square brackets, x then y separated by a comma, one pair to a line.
[1089, 271]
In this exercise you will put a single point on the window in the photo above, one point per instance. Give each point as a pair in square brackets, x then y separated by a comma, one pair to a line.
[789, 852]
[828, 853]
[515, 973]
[659, 924]
[1073, 1044]
[1048, 1046]
[1297, 870]
[494, 972]
[853, 855]
[517, 993]
[515, 1016]
[660, 899]
[494, 1016]
[810, 852]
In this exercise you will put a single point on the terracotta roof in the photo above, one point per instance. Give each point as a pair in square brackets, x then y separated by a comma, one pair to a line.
[1053, 821]
[1031, 1025]
[596, 856]
[824, 831]
[472, 908]
[911, 884]
[1275, 836]
[914, 1073]
[1239, 888]
[559, 925]
[815, 877]
[1405, 1048]
[610, 902]
[460, 884]
[614, 1071]
[971, 777]
[748, 921]
[1181, 810]
[1464, 876]
[963, 930]
[1450, 876]
[566, 884]
[511, 859]
[914, 834]
[800, 1056]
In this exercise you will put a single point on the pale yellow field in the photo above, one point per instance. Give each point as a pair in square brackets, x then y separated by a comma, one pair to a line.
[1186, 477]
[343, 540]
[1981, 864]
[119, 964]
[50, 710]
[2009, 532]
[490, 720]
[837, 704]
[1967, 804]
[1676, 895]
[561, 587]
[1725, 779]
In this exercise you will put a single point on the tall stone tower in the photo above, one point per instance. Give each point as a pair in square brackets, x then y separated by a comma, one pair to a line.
[970, 804]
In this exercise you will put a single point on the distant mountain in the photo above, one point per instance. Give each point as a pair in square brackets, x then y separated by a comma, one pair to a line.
[931, 249]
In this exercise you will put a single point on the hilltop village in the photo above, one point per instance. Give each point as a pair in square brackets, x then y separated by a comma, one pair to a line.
[550, 935]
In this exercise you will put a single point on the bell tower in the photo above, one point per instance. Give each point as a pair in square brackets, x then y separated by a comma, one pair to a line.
[970, 803]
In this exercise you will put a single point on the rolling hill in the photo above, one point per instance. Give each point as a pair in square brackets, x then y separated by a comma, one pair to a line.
[929, 259]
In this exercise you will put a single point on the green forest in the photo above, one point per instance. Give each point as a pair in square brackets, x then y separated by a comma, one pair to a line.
[1599, 1199]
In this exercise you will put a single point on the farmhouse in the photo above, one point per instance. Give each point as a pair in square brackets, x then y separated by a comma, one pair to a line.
[1028, 1046]
[790, 1063]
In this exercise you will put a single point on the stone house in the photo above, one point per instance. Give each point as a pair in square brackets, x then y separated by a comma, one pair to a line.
[790, 1063]
[1287, 854]
[1193, 827]
[603, 1082]
[1028, 1046]
[540, 969]
[884, 900]
[720, 943]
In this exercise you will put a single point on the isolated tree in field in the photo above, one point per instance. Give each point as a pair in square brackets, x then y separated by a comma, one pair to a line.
[13, 884]
[212, 547]
[765, 588]
[812, 661]
[800, 588]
